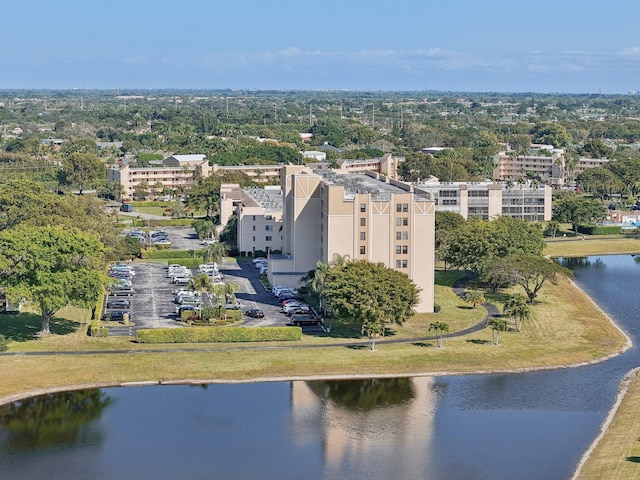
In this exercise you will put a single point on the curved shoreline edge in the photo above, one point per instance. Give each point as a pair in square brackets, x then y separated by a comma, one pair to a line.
[622, 391]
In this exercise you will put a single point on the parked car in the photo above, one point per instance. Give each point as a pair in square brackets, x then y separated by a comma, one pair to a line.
[255, 313]
[259, 259]
[208, 241]
[183, 308]
[116, 315]
[232, 306]
[122, 291]
[119, 304]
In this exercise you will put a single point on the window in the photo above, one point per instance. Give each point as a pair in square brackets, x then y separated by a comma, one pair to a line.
[268, 217]
[398, 221]
[398, 249]
[363, 222]
[405, 263]
[362, 250]
[363, 207]
[398, 207]
[405, 221]
[253, 228]
[405, 249]
[269, 228]
[363, 236]
[268, 238]
[254, 239]
[399, 235]
[405, 235]
[405, 207]
[398, 263]
[254, 218]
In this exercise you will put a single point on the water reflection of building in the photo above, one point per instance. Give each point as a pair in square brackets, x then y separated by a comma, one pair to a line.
[389, 441]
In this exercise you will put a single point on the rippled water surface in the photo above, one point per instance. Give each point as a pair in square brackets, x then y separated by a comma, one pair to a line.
[524, 426]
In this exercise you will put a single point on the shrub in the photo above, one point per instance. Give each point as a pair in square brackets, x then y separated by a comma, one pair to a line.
[4, 344]
[162, 254]
[600, 229]
[95, 330]
[436, 308]
[218, 334]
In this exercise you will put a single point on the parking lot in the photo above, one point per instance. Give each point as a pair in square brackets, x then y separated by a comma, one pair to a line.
[152, 304]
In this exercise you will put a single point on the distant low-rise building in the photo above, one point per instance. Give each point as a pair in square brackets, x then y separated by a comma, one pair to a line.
[529, 201]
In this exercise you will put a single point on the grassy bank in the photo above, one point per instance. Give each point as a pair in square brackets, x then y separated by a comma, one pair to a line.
[566, 327]
[591, 245]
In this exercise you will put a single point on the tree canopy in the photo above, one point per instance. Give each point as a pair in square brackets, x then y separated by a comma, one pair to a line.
[477, 242]
[51, 267]
[370, 294]
[578, 210]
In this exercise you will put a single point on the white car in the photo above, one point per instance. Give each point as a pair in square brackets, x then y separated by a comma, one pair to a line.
[208, 241]
[259, 259]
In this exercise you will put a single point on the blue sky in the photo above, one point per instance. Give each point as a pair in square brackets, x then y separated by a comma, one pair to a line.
[570, 46]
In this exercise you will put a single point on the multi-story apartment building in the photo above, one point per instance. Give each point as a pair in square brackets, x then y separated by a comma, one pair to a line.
[528, 201]
[360, 216]
[546, 163]
[260, 220]
[181, 171]
[543, 161]
[174, 172]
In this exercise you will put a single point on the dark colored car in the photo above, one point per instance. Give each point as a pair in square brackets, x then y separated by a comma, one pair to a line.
[255, 313]
[116, 315]
[119, 304]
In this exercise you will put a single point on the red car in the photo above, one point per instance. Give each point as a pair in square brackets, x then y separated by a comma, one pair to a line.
[255, 313]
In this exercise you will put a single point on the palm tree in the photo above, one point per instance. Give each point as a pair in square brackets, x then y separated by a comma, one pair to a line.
[319, 281]
[517, 309]
[497, 325]
[213, 253]
[230, 291]
[439, 328]
[474, 298]
[338, 260]
[521, 182]
[201, 284]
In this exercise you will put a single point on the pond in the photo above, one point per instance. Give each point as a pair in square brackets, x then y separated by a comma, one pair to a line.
[511, 426]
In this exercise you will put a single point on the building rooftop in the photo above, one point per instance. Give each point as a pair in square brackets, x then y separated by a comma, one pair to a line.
[355, 183]
[268, 198]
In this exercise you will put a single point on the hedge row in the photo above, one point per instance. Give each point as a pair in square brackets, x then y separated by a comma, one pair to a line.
[162, 254]
[218, 334]
[95, 330]
[150, 204]
[600, 229]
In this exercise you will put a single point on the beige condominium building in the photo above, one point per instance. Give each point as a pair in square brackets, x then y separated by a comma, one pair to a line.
[361, 216]
[260, 220]
[174, 172]
[542, 161]
[529, 201]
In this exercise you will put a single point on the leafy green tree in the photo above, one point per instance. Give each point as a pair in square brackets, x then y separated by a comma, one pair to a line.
[371, 294]
[51, 267]
[552, 134]
[628, 172]
[551, 229]
[132, 247]
[474, 298]
[82, 169]
[600, 182]
[478, 242]
[595, 148]
[531, 272]
[440, 328]
[578, 210]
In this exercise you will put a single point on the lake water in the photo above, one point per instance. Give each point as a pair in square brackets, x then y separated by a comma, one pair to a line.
[512, 426]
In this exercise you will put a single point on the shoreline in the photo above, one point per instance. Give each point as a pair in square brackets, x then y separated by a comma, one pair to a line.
[622, 391]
